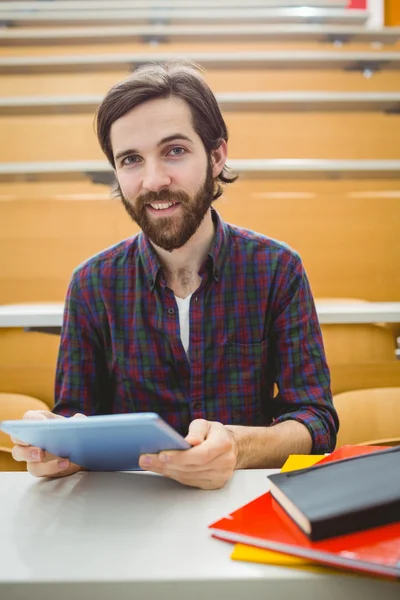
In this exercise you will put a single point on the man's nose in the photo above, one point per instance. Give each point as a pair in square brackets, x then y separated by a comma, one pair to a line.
[155, 178]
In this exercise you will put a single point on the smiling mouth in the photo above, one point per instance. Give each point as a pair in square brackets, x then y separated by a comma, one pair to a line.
[160, 206]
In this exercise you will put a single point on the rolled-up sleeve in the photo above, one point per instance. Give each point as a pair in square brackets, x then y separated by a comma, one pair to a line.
[301, 371]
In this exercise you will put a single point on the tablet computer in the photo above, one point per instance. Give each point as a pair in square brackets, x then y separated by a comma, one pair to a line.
[101, 442]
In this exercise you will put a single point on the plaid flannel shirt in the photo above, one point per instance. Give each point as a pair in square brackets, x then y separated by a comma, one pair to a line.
[253, 324]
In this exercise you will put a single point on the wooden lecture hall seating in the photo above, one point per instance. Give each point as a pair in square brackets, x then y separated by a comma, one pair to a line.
[311, 97]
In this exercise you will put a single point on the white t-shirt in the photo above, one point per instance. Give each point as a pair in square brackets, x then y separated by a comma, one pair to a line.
[183, 308]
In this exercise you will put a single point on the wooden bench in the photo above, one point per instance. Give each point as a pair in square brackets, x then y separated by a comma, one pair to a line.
[295, 101]
[238, 79]
[346, 61]
[261, 126]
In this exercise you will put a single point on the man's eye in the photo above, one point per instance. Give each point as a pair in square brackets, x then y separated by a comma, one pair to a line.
[177, 151]
[129, 160]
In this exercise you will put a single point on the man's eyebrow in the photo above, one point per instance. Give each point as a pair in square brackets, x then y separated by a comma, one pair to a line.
[166, 140]
[124, 153]
[174, 137]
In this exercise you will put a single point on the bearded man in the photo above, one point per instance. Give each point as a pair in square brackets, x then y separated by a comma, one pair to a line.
[193, 318]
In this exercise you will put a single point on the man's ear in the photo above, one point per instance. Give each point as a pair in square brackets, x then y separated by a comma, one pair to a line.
[218, 158]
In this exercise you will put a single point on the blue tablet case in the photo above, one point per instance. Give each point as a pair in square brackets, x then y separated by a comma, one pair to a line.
[100, 443]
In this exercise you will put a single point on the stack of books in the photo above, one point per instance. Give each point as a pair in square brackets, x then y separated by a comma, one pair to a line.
[342, 511]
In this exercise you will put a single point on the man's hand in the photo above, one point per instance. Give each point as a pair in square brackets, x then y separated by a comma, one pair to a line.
[208, 465]
[40, 463]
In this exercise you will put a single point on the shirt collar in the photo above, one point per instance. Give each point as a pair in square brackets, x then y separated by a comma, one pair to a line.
[217, 252]
[149, 259]
[219, 247]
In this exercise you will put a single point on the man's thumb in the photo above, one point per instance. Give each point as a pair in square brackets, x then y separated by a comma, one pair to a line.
[198, 431]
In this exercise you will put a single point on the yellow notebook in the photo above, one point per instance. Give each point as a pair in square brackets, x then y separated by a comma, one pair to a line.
[301, 461]
[259, 555]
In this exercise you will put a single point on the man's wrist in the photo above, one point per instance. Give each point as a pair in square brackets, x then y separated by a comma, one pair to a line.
[236, 432]
[268, 447]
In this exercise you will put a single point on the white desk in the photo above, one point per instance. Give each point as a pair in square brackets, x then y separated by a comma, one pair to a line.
[33, 314]
[329, 313]
[138, 536]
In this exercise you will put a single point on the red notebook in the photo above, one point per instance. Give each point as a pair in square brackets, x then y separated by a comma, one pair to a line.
[350, 452]
[263, 523]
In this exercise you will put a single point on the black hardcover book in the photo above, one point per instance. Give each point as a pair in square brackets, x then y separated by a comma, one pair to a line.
[344, 496]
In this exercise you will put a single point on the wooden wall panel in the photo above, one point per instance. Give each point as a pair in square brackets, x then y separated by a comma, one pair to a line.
[220, 80]
[253, 134]
[364, 376]
[27, 363]
[346, 233]
[358, 344]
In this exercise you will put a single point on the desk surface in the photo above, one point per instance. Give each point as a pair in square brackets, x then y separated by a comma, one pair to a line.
[329, 313]
[137, 535]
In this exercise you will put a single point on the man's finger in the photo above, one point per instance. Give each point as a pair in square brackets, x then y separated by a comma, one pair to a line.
[19, 442]
[215, 444]
[198, 431]
[31, 415]
[54, 468]
[28, 454]
[35, 415]
[40, 415]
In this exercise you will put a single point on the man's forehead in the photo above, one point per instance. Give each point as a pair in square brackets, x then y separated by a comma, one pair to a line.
[161, 109]
[154, 120]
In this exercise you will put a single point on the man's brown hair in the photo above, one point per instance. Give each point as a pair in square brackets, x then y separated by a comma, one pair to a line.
[162, 80]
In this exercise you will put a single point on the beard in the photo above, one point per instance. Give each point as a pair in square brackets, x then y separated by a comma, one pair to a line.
[173, 232]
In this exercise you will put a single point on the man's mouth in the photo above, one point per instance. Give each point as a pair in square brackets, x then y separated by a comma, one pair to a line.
[160, 206]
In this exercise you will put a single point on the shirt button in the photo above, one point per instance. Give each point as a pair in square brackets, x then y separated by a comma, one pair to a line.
[196, 405]
[171, 311]
[196, 298]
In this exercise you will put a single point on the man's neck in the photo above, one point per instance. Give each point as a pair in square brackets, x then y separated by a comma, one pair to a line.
[182, 265]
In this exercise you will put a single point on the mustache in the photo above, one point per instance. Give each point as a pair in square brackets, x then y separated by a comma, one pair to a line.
[163, 196]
